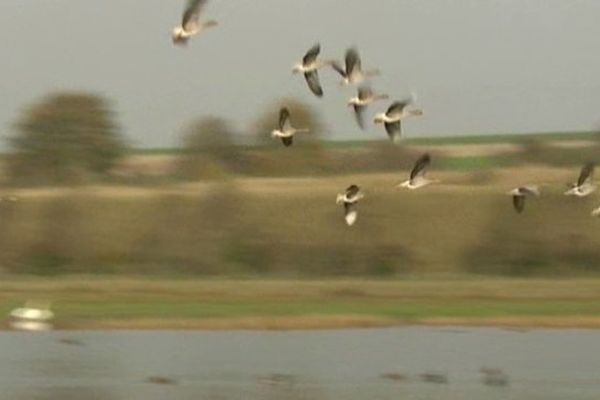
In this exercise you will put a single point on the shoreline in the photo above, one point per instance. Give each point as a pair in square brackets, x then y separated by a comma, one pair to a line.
[81, 303]
[288, 324]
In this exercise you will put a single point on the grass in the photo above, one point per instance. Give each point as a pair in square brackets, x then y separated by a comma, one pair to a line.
[299, 304]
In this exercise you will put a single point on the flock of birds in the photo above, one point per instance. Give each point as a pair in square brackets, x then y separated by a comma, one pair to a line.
[353, 74]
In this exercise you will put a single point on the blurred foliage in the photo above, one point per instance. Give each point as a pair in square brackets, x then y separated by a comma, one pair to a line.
[553, 237]
[209, 150]
[65, 138]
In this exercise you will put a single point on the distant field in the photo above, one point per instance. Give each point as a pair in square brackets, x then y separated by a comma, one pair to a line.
[138, 303]
[433, 141]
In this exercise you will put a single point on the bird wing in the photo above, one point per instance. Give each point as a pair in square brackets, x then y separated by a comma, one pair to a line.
[393, 129]
[359, 114]
[312, 78]
[284, 119]
[288, 141]
[420, 166]
[365, 92]
[353, 62]
[587, 172]
[397, 107]
[519, 203]
[529, 190]
[191, 14]
[352, 191]
[338, 68]
[312, 54]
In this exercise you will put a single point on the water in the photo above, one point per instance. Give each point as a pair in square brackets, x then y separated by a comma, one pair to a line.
[316, 365]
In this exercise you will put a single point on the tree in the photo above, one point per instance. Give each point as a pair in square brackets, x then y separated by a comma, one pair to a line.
[209, 148]
[65, 138]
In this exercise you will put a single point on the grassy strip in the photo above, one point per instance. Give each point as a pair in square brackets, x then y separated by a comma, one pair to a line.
[264, 304]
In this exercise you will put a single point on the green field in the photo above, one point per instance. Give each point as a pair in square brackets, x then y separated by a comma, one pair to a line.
[298, 304]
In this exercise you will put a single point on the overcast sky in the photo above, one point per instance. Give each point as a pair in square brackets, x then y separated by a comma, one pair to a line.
[478, 66]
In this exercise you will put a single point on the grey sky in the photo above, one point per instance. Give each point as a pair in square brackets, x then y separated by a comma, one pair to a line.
[478, 66]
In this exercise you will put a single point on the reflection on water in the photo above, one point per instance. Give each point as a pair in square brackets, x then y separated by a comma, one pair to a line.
[411, 363]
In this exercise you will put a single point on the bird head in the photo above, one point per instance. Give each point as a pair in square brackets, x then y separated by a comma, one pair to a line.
[416, 113]
[178, 36]
[297, 69]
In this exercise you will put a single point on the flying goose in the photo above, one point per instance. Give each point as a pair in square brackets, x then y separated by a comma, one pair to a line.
[309, 67]
[361, 101]
[285, 130]
[584, 185]
[352, 71]
[417, 175]
[519, 194]
[349, 199]
[191, 25]
[392, 117]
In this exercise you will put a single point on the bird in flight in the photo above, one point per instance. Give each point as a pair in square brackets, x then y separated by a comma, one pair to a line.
[349, 199]
[285, 130]
[584, 185]
[392, 118]
[310, 66]
[352, 72]
[361, 101]
[520, 194]
[417, 175]
[191, 24]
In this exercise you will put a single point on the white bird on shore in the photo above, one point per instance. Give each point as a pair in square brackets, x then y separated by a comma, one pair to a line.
[32, 317]
[310, 66]
[349, 199]
[362, 100]
[584, 185]
[394, 115]
[285, 130]
[191, 24]
[417, 175]
[520, 194]
[352, 72]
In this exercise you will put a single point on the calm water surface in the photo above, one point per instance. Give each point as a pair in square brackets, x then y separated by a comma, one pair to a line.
[319, 365]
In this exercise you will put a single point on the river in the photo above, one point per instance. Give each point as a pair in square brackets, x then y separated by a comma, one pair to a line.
[318, 365]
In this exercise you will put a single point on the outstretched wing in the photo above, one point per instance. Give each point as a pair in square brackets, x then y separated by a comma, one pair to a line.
[393, 129]
[359, 114]
[420, 166]
[397, 107]
[288, 141]
[311, 55]
[353, 62]
[312, 78]
[519, 203]
[365, 93]
[284, 119]
[587, 172]
[191, 14]
[338, 68]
